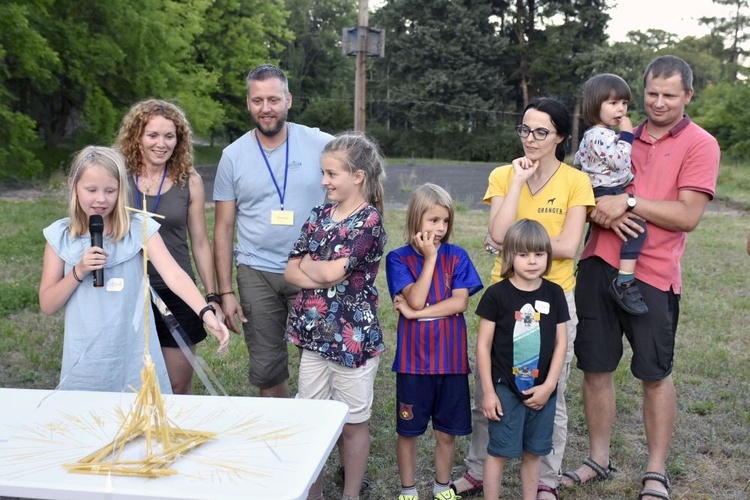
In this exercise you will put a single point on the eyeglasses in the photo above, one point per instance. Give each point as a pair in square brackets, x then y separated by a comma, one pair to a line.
[539, 133]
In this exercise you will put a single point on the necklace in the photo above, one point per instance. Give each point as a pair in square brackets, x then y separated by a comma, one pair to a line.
[147, 189]
[158, 195]
[350, 213]
[535, 191]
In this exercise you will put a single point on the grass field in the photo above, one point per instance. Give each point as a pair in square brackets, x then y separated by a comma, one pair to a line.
[710, 457]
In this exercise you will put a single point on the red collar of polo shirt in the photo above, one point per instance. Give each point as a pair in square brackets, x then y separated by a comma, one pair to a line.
[674, 131]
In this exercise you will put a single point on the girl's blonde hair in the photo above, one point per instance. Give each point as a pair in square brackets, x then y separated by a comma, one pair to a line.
[112, 162]
[359, 152]
[423, 198]
[128, 141]
[525, 236]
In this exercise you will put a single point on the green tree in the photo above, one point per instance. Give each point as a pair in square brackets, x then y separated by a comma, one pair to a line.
[109, 55]
[321, 79]
[652, 39]
[735, 30]
[237, 36]
[721, 111]
[442, 64]
[24, 54]
[582, 31]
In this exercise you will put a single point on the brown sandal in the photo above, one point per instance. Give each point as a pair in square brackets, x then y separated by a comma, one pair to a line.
[602, 474]
[648, 492]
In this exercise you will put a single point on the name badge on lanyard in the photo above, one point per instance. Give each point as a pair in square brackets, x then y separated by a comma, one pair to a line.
[282, 217]
[279, 217]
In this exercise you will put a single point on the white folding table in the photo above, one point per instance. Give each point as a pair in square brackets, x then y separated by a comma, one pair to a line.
[265, 447]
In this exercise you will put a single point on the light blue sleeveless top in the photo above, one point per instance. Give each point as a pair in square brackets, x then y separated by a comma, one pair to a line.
[103, 346]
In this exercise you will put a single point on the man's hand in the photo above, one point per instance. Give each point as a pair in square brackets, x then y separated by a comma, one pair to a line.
[608, 209]
[231, 307]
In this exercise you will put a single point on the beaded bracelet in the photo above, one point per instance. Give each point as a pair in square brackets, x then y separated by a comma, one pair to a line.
[230, 292]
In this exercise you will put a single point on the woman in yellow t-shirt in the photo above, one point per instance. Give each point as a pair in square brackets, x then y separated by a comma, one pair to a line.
[538, 186]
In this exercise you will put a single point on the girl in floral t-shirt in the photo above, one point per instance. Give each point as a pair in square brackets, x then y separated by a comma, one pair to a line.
[334, 319]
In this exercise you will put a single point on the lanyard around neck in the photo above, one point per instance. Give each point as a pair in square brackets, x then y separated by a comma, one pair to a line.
[282, 193]
[158, 195]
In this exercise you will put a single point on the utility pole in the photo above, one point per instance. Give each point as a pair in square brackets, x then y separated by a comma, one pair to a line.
[362, 42]
[360, 92]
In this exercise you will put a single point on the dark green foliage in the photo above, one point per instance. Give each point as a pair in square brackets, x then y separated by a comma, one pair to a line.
[718, 111]
[236, 36]
[321, 79]
[454, 79]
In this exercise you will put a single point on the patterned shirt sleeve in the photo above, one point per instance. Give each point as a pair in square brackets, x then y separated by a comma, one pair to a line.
[301, 246]
[605, 156]
[364, 242]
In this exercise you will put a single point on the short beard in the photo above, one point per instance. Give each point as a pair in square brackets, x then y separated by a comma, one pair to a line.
[272, 131]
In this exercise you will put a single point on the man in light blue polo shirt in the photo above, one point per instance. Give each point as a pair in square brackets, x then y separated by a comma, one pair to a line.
[268, 180]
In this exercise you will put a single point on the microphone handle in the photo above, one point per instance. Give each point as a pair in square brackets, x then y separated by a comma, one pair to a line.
[97, 241]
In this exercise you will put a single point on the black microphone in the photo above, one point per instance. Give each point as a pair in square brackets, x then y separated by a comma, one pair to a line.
[96, 229]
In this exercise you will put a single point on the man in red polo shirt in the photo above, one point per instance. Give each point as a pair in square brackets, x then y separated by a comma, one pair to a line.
[676, 164]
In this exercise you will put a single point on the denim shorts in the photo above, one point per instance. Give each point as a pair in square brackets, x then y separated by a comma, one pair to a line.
[521, 428]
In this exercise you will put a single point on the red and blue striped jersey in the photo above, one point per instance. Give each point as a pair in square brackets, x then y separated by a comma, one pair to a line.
[438, 345]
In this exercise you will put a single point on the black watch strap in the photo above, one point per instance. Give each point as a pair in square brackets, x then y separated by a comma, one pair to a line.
[213, 297]
[630, 207]
[209, 307]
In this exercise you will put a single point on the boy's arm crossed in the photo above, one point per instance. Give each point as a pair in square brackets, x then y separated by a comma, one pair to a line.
[455, 304]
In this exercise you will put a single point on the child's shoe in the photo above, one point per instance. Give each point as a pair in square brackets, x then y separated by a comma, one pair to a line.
[408, 497]
[448, 494]
[628, 297]
[474, 487]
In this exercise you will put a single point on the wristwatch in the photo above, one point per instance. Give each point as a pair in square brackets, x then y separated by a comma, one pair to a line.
[213, 297]
[631, 202]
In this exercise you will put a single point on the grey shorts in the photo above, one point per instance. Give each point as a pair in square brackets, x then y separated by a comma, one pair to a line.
[265, 299]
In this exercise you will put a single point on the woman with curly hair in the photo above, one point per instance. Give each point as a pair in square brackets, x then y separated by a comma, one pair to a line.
[156, 140]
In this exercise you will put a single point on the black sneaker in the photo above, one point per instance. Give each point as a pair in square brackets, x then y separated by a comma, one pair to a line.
[628, 297]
